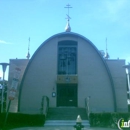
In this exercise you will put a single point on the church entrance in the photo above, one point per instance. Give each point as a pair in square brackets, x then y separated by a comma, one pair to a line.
[67, 95]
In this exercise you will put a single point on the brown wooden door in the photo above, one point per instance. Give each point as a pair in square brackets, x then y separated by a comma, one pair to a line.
[67, 95]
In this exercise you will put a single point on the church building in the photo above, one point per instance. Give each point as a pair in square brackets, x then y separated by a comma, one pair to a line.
[69, 70]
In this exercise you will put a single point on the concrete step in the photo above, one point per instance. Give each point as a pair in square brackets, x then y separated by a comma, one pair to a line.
[66, 113]
[65, 123]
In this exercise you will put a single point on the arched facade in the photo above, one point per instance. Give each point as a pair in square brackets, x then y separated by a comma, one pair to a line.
[70, 66]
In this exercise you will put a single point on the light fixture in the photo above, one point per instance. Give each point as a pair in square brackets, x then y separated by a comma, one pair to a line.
[4, 65]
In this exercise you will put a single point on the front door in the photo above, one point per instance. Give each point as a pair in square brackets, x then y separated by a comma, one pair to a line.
[67, 95]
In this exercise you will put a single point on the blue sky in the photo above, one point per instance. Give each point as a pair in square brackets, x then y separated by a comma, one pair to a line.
[40, 19]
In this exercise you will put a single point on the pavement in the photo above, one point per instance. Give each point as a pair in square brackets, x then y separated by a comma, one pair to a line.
[61, 128]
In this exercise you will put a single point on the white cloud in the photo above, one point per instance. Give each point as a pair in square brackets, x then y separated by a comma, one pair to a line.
[4, 42]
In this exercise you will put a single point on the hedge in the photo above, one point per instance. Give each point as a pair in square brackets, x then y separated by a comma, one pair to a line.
[107, 119]
[19, 119]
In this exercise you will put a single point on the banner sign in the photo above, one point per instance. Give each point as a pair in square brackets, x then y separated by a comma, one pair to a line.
[14, 84]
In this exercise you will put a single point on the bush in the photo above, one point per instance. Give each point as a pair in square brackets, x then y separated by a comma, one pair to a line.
[128, 108]
[107, 119]
[19, 119]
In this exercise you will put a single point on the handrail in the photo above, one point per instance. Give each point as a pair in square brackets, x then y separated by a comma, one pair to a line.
[87, 105]
[44, 105]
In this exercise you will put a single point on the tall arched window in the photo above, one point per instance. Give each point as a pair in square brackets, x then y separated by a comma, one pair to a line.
[67, 57]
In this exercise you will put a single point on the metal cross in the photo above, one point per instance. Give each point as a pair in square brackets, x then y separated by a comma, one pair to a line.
[68, 6]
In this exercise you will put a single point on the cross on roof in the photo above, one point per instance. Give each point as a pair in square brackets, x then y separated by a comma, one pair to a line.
[68, 6]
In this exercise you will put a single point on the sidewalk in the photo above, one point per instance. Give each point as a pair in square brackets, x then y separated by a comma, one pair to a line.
[60, 128]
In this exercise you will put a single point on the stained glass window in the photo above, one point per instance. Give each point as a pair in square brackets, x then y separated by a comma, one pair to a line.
[67, 57]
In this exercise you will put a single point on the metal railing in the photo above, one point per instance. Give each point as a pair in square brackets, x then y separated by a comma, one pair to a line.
[87, 106]
[44, 105]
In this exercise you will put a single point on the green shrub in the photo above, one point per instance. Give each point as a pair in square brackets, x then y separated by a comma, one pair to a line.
[19, 119]
[107, 119]
[129, 108]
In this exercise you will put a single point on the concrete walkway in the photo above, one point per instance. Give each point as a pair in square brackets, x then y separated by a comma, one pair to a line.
[61, 128]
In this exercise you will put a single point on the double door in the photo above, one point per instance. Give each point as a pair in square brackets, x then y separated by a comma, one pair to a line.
[67, 95]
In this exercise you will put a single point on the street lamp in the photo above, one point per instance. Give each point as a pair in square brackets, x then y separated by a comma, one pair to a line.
[4, 65]
[127, 68]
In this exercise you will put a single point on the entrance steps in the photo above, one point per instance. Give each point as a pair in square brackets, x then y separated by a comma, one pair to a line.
[65, 116]
[65, 123]
[66, 113]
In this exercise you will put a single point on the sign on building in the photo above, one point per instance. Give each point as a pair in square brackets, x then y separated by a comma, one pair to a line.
[14, 85]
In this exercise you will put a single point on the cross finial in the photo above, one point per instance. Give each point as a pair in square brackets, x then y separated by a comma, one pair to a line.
[68, 17]
[68, 28]
[68, 6]
[106, 53]
[28, 54]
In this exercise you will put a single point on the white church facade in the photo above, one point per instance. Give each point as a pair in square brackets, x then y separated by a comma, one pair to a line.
[68, 69]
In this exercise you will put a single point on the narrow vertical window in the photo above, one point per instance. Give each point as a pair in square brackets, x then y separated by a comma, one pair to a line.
[67, 57]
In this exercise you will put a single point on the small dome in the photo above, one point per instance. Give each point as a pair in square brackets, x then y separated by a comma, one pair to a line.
[68, 28]
[28, 55]
[106, 55]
